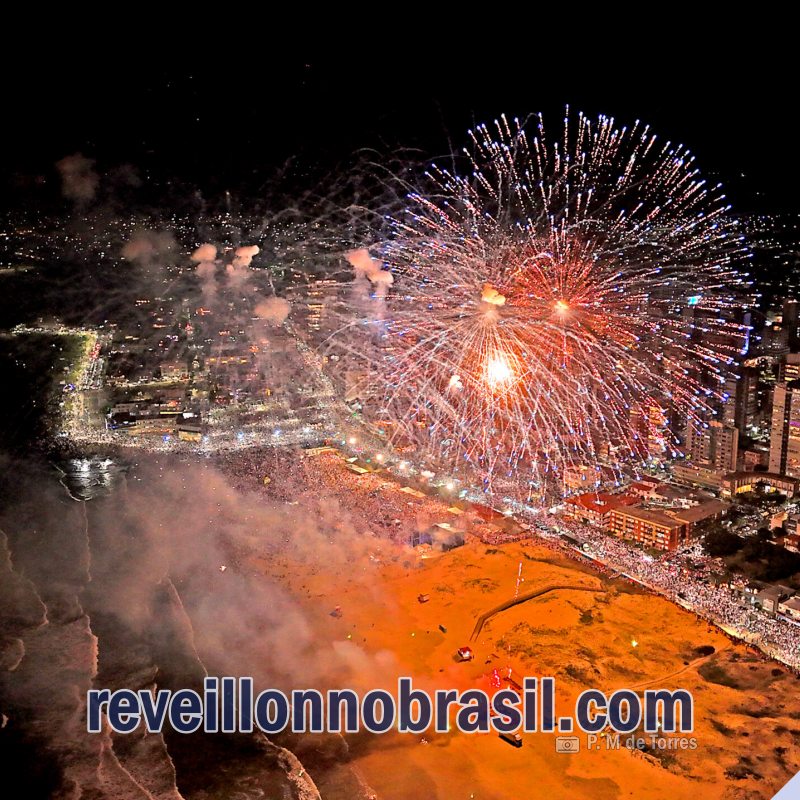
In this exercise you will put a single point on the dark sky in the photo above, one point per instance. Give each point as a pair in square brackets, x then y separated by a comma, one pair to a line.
[226, 118]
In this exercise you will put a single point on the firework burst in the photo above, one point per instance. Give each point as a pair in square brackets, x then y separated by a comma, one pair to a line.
[550, 304]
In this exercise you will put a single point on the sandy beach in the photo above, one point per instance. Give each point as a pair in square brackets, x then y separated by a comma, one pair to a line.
[597, 633]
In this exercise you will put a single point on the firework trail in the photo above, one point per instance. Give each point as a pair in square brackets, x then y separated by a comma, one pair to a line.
[558, 303]
[553, 304]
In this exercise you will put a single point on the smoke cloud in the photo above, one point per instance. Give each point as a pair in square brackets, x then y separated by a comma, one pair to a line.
[79, 181]
[368, 273]
[206, 252]
[273, 310]
[364, 265]
[148, 247]
[132, 594]
[243, 256]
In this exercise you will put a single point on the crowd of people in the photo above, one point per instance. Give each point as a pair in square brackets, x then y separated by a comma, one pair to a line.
[375, 504]
[378, 507]
[686, 578]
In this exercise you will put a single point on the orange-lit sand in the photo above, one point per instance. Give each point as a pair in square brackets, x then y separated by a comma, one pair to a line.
[741, 733]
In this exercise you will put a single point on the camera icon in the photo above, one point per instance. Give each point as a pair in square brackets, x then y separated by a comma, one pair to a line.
[568, 744]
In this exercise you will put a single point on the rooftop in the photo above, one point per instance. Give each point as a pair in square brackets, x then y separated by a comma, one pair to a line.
[698, 513]
[772, 592]
[755, 477]
[601, 502]
[793, 603]
[651, 516]
[642, 486]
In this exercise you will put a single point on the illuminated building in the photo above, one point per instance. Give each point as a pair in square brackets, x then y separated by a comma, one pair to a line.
[790, 319]
[595, 507]
[742, 407]
[744, 482]
[789, 368]
[700, 476]
[715, 446]
[648, 527]
[790, 607]
[774, 339]
[701, 512]
[650, 424]
[784, 450]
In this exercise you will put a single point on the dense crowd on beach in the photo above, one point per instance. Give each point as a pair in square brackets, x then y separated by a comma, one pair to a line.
[374, 503]
[376, 506]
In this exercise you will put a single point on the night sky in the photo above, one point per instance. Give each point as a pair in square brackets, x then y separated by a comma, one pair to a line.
[228, 119]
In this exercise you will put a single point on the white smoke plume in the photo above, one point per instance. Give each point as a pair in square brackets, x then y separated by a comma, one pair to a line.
[273, 310]
[206, 252]
[243, 256]
[237, 276]
[238, 270]
[206, 271]
[149, 247]
[365, 266]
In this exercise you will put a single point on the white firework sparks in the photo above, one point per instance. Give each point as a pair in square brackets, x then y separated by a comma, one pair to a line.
[553, 304]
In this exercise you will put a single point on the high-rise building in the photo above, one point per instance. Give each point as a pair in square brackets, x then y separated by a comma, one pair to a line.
[790, 319]
[658, 425]
[742, 407]
[784, 444]
[650, 425]
[789, 367]
[715, 445]
[774, 339]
